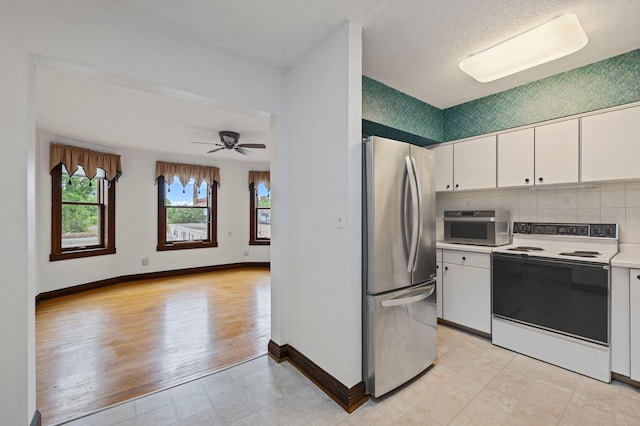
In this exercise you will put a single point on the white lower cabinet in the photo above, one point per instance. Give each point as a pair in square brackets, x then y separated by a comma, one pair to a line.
[634, 308]
[466, 289]
[620, 331]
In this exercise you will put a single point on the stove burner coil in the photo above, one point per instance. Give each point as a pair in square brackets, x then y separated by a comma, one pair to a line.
[581, 253]
[526, 248]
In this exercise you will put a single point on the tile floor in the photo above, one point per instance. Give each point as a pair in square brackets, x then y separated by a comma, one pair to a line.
[472, 383]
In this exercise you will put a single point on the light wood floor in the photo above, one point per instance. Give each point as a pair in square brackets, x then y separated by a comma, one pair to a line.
[104, 346]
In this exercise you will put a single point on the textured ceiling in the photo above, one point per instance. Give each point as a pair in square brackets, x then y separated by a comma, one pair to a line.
[411, 45]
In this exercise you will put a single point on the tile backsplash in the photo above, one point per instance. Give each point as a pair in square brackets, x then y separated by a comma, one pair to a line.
[617, 202]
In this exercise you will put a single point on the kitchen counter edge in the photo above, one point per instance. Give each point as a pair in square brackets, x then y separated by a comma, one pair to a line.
[628, 257]
[464, 247]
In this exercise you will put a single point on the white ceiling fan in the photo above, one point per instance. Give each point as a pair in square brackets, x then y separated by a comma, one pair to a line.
[230, 140]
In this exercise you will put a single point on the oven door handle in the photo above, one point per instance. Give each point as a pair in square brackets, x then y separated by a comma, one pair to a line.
[408, 300]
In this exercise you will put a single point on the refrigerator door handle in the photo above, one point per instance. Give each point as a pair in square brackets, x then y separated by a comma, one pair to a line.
[419, 203]
[414, 213]
[408, 300]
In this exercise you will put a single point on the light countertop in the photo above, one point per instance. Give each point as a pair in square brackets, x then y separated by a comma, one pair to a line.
[628, 257]
[463, 247]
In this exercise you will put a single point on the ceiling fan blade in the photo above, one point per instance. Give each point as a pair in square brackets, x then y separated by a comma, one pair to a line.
[252, 145]
[204, 143]
[215, 149]
[242, 150]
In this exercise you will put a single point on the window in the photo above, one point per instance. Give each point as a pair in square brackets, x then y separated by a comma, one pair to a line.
[83, 201]
[186, 213]
[83, 214]
[260, 208]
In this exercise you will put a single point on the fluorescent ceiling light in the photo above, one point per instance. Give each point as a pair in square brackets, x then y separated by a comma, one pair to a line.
[553, 40]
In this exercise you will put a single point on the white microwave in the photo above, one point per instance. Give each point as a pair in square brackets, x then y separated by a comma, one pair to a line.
[477, 227]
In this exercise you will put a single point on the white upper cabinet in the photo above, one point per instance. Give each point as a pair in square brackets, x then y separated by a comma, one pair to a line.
[444, 167]
[611, 146]
[515, 158]
[474, 165]
[557, 148]
[543, 155]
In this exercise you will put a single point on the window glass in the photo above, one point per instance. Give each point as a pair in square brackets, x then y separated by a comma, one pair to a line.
[263, 213]
[187, 216]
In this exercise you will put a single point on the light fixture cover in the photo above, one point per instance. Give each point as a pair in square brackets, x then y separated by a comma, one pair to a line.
[555, 39]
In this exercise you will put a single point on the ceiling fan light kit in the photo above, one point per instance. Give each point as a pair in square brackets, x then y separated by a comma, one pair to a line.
[555, 39]
[229, 138]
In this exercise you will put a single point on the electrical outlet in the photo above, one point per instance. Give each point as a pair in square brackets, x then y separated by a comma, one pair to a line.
[145, 261]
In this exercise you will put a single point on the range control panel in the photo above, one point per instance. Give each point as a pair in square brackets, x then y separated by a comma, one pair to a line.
[601, 230]
[470, 213]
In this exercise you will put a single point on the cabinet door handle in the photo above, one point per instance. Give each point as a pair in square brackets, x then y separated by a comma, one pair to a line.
[526, 180]
[540, 179]
[464, 258]
[437, 266]
[446, 268]
[457, 185]
[448, 186]
[638, 277]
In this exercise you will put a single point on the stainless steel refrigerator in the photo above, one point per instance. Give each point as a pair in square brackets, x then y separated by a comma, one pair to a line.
[399, 263]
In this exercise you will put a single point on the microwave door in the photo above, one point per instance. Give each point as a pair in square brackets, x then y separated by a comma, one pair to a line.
[471, 232]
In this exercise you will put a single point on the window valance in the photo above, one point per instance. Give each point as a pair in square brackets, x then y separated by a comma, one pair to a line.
[72, 157]
[184, 172]
[258, 177]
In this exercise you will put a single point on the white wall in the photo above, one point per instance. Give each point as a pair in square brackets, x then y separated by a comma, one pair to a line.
[136, 221]
[103, 36]
[323, 103]
[617, 202]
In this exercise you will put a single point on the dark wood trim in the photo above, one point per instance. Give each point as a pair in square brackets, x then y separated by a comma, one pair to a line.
[36, 420]
[625, 379]
[56, 210]
[348, 398]
[79, 254]
[148, 275]
[463, 328]
[185, 245]
[107, 206]
[277, 352]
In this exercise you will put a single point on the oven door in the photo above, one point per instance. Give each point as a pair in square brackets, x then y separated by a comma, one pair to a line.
[569, 297]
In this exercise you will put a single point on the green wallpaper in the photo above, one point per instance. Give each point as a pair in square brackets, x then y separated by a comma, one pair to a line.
[614, 81]
[388, 107]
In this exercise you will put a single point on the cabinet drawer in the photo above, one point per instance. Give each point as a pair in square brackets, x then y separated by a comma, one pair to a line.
[467, 258]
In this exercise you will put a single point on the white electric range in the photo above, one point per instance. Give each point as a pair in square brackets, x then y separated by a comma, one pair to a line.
[551, 294]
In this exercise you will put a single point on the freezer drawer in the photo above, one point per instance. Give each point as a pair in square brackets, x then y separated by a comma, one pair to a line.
[400, 337]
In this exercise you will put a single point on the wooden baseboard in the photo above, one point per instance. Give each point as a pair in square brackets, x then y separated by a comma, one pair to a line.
[36, 420]
[348, 398]
[625, 379]
[146, 276]
[463, 328]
